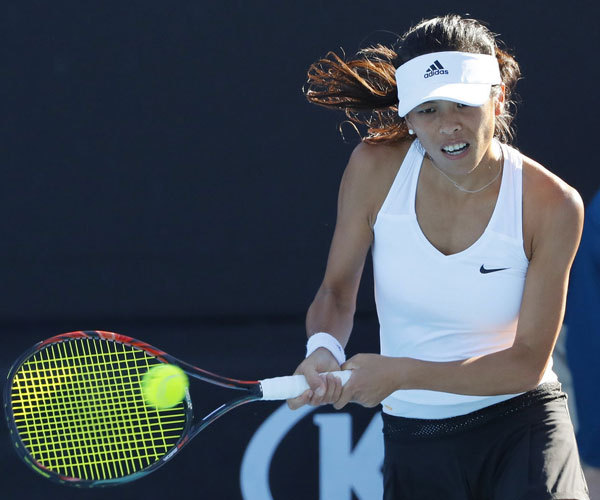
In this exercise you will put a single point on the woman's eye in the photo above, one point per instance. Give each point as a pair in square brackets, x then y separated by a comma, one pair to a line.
[426, 110]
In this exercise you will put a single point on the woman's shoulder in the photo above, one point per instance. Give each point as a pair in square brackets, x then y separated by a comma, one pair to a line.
[379, 154]
[377, 163]
[551, 207]
[370, 173]
[545, 188]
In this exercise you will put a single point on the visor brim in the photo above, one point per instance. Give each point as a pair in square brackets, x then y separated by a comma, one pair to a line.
[471, 94]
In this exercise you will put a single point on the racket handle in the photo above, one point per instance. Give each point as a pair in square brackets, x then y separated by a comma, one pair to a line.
[279, 388]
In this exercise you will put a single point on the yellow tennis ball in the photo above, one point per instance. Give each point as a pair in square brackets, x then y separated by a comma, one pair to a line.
[164, 385]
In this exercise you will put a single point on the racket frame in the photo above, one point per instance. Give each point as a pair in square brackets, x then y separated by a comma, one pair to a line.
[251, 391]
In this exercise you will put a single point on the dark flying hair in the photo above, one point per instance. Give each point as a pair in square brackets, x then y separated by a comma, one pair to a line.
[365, 87]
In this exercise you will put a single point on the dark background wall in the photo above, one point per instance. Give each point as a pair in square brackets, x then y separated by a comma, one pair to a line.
[163, 176]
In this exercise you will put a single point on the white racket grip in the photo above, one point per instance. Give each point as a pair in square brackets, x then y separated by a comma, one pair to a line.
[278, 388]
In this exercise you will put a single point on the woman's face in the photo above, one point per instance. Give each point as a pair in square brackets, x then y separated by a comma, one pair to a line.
[456, 137]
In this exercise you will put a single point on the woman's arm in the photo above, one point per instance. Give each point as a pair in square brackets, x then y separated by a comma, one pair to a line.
[558, 218]
[366, 180]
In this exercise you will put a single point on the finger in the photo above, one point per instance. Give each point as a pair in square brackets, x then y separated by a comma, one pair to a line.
[350, 364]
[315, 382]
[332, 386]
[329, 389]
[301, 400]
[334, 389]
[338, 389]
[320, 394]
[344, 398]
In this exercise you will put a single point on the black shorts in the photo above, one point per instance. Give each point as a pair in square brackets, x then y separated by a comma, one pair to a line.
[520, 449]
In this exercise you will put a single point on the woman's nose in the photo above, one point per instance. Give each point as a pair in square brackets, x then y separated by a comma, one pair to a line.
[449, 123]
[450, 127]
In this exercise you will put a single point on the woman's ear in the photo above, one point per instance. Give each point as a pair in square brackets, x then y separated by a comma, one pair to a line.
[409, 125]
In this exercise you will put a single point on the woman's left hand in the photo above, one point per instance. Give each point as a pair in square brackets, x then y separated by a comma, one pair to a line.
[374, 378]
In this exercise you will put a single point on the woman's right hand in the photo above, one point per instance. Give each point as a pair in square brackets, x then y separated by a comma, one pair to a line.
[323, 389]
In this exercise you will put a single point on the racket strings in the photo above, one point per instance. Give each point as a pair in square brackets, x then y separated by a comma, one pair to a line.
[79, 411]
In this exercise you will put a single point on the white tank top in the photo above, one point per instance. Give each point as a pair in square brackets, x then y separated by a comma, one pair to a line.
[437, 307]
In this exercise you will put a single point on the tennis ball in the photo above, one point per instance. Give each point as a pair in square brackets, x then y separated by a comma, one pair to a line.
[164, 385]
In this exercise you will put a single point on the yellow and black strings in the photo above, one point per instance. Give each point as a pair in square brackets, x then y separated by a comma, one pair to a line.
[79, 410]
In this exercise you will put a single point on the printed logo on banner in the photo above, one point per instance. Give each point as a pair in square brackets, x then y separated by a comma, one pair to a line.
[343, 468]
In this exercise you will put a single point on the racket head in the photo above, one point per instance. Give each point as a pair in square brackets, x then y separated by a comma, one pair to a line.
[76, 415]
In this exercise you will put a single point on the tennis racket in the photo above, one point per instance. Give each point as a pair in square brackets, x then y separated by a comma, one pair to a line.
[76, 414]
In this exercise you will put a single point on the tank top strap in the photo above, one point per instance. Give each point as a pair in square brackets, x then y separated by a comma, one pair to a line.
[509, 209]
[401, 194]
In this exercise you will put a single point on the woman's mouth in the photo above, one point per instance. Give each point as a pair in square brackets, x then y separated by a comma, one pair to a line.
[456, 149]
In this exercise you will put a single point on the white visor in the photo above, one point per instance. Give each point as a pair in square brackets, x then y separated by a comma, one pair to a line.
[450, 76]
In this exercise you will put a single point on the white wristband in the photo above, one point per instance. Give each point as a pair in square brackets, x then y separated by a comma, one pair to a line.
[327, 341]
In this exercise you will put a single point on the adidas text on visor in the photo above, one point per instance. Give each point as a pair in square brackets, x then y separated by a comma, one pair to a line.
[449, 76]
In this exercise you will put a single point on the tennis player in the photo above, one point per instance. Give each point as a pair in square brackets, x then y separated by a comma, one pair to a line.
[472, 243]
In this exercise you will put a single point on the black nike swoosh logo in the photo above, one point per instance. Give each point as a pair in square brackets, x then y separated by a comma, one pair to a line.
[483, 270]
